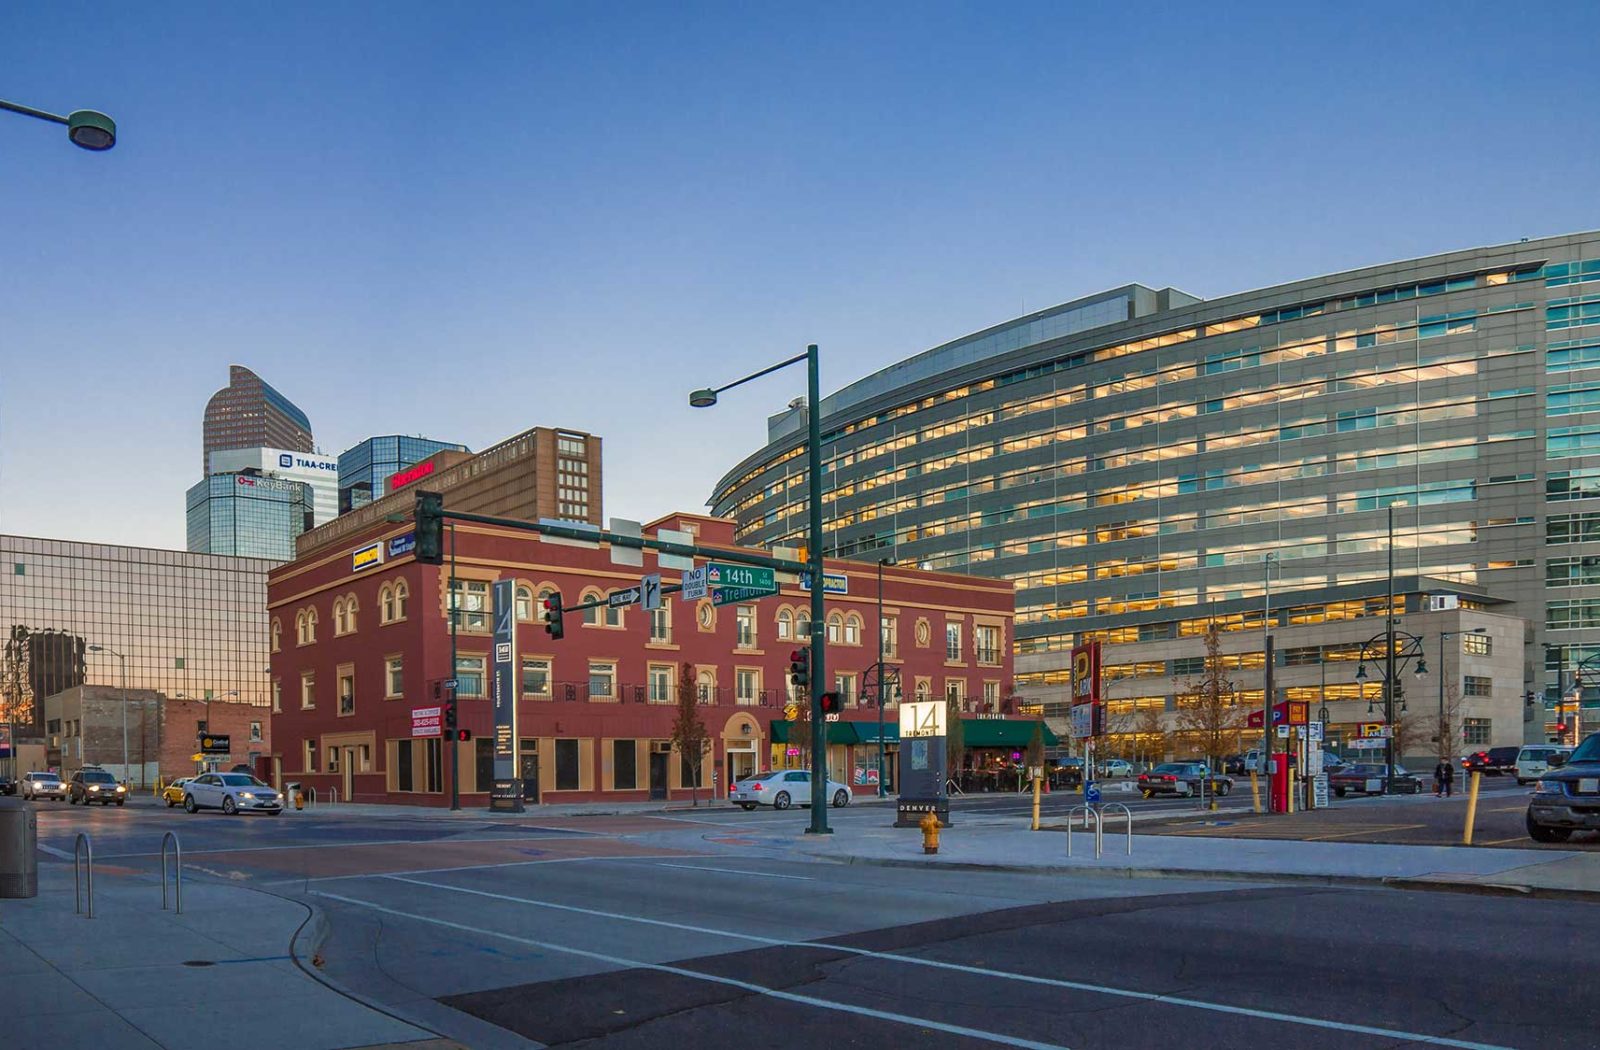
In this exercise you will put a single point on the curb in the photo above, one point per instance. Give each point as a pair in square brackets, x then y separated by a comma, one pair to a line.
[1422, 883]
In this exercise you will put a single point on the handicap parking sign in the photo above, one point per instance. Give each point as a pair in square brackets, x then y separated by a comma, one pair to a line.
[1091, 792]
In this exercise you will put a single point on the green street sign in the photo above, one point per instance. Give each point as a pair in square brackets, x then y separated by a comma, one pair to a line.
[730, 595]
[750, 577]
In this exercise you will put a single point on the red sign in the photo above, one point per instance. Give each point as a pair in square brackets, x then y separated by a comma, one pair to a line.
[402, 478]
[1290, 712]
[426, 721]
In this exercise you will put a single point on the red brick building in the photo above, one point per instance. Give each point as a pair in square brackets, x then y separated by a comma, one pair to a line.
[359, 642]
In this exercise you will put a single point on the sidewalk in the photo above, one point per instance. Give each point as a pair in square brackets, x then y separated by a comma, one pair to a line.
[1539, 873]
[135, 977]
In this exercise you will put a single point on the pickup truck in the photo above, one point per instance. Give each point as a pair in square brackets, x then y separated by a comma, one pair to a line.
[1567, 798]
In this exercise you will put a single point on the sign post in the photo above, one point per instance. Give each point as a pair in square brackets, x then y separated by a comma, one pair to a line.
[506, 792]
[922, 764]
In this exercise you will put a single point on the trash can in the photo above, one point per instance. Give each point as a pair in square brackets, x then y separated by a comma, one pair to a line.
[19, 857]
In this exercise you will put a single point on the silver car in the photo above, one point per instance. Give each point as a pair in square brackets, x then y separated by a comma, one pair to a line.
[43, 785]
[783, 788]
[232, 793]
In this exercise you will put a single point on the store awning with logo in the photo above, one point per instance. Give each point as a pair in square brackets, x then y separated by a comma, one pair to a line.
[1014, 733]
[838, 732]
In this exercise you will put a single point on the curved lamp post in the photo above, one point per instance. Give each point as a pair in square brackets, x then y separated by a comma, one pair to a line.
[1396, 648]
[86, 128]
[707, 397]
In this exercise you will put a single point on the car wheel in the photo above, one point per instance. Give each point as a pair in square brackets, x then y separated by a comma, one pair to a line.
[170, 803]
[122, 801]
[780, 800]
[1338, 792]
[188, 804]
[841, 799]
[1223, 788]
[1521, 782]
[1540, 833]
[747, 806]
[229, 806]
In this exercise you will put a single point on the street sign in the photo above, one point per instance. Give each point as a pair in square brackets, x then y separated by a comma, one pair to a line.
[1367, 743]
[1083, 721]
[215, 744]
[674, 561]
[618, 599]
[832, 583]
[731, 595]
[626, 555]
[694, 584]
[451, 683]
[1316, 730]
[922, 719]
[723, 574]
[426, 721]
[1283, 732]
[1319, 791]
[1091, 792]
[650, 591]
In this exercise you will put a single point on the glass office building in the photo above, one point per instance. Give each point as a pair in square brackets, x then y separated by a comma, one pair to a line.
[247, 515]
[1132, 460]
[250, 413]
[188, 625]
[365, 468]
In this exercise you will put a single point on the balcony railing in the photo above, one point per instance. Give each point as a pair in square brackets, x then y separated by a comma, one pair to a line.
[710, 696]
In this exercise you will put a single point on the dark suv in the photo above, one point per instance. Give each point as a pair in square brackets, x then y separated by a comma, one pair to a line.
[1495, 761]
[93, 784]
[1567, 798]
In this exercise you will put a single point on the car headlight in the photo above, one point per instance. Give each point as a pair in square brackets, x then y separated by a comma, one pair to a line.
[247, 794]
[121, 789]
[94, 787]
[1549, 787]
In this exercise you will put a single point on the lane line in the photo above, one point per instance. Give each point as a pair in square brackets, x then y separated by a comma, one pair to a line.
[1370, 829]
[510, 841]
[731, 871]
[58, 853]
[462, 867]
[730, 982]
[912, 960]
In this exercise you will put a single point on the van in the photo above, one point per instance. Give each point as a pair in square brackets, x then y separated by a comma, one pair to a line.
[1534, 761]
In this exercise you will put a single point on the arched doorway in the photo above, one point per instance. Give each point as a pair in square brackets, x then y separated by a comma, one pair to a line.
[741, 750]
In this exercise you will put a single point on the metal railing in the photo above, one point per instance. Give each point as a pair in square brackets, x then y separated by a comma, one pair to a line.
[1127, 815]
[1088, 812]
[82, 872]
[177, 871]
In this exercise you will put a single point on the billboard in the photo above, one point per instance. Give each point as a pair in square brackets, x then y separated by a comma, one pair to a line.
[1088, 715]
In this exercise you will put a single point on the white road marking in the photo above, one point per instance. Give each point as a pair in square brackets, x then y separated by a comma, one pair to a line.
[912, 960]
[729, 871]
[462, 867]
[61, 853]
[340, 845]
[758, 989]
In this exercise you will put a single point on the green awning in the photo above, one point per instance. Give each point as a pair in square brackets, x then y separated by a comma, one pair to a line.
[838, 732]
[1014, 733]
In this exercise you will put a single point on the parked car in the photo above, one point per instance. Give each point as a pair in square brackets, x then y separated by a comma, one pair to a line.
[1567, 798]
[93, 784]
[1492, 762]
[232, 793]
[172, 794]
[1366, 778]
[1117, 767]
[7, 786]
[1535, 760]
[1183, 778]
[783, 788]
[43, 785]
[1065, 772]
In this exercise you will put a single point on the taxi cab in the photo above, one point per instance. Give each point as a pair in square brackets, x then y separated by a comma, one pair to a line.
[172, 794]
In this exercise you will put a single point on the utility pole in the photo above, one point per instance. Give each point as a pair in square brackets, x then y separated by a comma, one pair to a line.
[882, 791]
[455, 617]
[1388, 668]
[1267, 684]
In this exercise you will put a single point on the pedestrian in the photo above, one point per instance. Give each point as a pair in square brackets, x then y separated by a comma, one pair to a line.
[1438, 779]
[1449, 778]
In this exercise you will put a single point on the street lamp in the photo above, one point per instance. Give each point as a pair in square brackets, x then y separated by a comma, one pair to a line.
[85, 127]
[123, 660]
[705, 398]
[882, 791]
[1400, 648]
[1443, 753]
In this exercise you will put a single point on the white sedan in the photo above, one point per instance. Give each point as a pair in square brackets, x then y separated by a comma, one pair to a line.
[783, 788]
[232, 793]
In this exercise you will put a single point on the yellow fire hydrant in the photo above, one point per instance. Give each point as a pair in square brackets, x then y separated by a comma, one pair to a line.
[930, 832]
[299, 799]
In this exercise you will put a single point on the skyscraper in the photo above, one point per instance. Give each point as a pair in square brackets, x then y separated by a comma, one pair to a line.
[365, 469]
[248, 413]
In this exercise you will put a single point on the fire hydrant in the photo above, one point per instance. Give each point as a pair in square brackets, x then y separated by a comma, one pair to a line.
[299, 799]
[930, 832]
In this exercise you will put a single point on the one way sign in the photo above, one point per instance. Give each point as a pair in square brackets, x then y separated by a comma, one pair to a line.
[650, 591]
[617, 599]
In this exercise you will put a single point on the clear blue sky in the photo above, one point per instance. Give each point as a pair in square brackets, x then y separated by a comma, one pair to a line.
[466, 219]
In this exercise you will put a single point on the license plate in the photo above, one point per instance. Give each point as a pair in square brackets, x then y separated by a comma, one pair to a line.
[1589, 785]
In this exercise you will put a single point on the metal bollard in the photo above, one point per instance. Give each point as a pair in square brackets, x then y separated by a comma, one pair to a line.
[85, 856]
[1128, 813]
[19, 855]
[1088, 814]
[177, 869]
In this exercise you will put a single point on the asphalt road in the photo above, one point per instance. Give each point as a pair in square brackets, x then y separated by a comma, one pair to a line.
[578, 933]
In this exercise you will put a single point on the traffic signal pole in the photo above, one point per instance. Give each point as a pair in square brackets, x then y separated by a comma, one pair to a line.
[455, 616]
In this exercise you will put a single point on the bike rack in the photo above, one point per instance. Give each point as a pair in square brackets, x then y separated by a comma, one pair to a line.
[82, 872]
[1088, 812]
[177, 871]
[1127, 813]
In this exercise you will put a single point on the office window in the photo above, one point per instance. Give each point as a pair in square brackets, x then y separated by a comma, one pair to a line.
[706, 686]
[385, 604]
[955, 691]
[835, 627]
[602, 680]
[347, 690]
[308, 756]
[536, 677]
[469, 600]
[613, 615]
[891, 637]
[394, 677]
[1475, 731]
[1476, 685]
[747, 685]
[566, 765]
[988, 643]
[470, 675]
[661, 684]
[845, 686]
[661, 624]
[333, 759]
[592, 616]
[991, 696]
[624, 765]
[745, 627]
[1477, 644]
[952, 642]
[277, 634]
[852, 629]
[308, 690]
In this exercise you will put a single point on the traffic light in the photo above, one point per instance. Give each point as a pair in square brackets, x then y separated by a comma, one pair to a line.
[800, 669]
[552, 617]
[450, 713]
[463, 735]
[430, 528]
[830, 703]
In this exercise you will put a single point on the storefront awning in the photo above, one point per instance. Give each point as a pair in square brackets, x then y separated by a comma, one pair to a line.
[1014, 733]
[838, 732]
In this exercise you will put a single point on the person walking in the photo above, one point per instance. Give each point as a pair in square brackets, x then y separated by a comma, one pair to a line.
[1443, 774]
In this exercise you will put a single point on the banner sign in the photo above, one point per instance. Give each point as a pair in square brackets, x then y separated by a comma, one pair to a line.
[426, 721]
[505, 679]
[5, 739]
[1086, 691]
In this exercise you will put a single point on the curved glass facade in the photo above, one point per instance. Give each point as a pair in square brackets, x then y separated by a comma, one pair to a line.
[1133, 477]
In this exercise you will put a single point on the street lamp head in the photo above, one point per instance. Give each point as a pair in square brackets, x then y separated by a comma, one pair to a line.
[1480, 630]
[91, 130]
[1361, 673]
[1422, 667]
[703, 398]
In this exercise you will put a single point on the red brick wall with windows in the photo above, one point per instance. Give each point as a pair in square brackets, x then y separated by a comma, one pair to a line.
[595, 685]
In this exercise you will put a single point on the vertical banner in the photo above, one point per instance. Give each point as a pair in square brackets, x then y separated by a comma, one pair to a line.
[505, 692]
[1087, 714]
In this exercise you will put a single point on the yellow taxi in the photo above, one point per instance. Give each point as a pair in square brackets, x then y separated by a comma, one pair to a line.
[172, 794]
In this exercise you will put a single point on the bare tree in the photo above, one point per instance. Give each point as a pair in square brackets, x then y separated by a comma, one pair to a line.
[1209, 717]
[1035, 758]
[800, 728]
[1151, 732]
[1447, 730]
[955, 738]
[689, 735]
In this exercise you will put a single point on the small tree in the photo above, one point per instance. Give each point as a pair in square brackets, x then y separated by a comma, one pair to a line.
[1151, 732]
[800, 729]
[1447, 729]
[955, 738]
[689, 736]
[1207, 712]
[1035, 757]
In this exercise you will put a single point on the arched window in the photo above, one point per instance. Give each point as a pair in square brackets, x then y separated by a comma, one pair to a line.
[613, 615]
[277, 633]
[591, 616]
[852, 629]
[401, 592]
[386, 603]
[706, 683]
[338, 616]
[802, 626]
[922, 691]
[785, 625]
[350, 607]
[524, 603]
[300, 627]
[311, 624]
[835, 627]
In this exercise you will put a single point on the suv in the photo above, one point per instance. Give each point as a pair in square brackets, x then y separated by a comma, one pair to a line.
[41, 784]
[1534, 760]
[1495, 761]
[93, 784]
[1567, 798]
